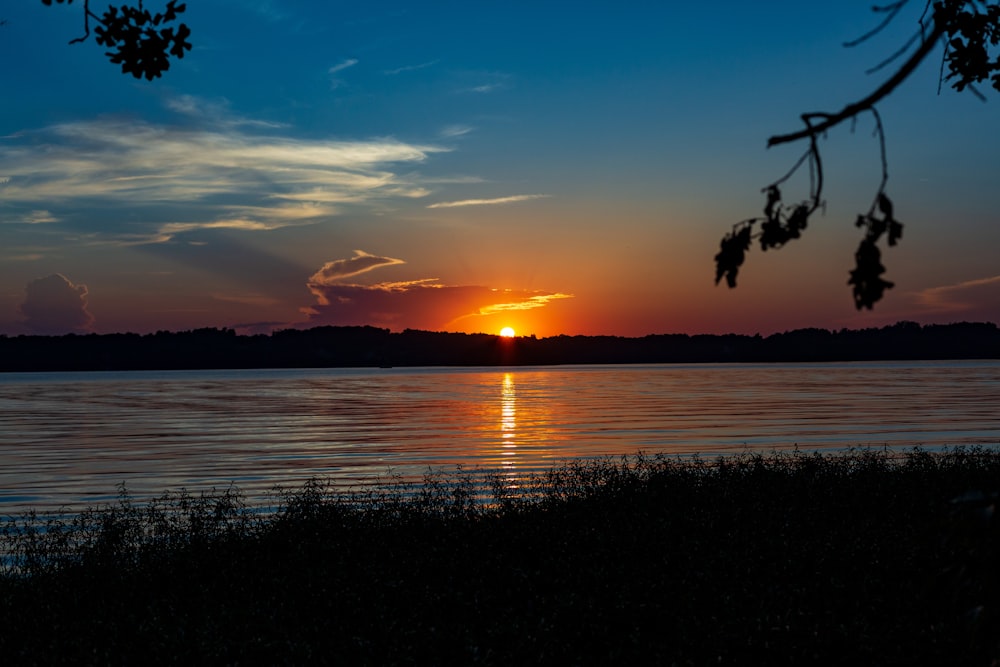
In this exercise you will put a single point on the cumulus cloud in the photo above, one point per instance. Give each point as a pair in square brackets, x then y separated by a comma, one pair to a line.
[412, 304]
[54, 305]
[487, 202]
[201, 178]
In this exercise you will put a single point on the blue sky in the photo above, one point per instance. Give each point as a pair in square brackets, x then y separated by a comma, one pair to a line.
[552, 168]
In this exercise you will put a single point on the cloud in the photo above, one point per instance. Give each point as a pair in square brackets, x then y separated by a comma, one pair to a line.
[485, 82]
[183, 179]
[970, 295]
[487, 202]
[423, 304]
[452, 131]
[336, 82]
[539, 300]
[216, 112]
[349, 62]
[39, 217]
[410, 68]
[54, 305]
[338, 269]
[412, 304]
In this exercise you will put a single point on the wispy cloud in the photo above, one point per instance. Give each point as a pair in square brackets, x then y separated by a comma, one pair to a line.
[338, 269]
[487, 202]
[961, 296]
[336, 82]
[215, 112]
[219, 176]
[423, 303]
[536, 301]
[410, 68]
[484, 82]
[344, 64]
[452, 131]
[38, 217]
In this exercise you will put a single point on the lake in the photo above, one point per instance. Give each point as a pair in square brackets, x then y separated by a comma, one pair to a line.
[68, 439]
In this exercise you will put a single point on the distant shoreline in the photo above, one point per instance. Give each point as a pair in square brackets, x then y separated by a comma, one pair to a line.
[372, 347]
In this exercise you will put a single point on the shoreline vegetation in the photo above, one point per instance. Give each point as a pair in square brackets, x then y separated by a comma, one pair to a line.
[863, 557]
[366, 346]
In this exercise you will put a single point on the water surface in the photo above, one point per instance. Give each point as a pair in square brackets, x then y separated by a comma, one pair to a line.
[68, 439]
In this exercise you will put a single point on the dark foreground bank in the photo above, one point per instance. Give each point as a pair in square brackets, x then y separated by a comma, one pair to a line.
[860, 558]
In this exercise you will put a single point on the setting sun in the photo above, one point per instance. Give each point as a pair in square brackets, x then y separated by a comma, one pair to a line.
[507, 332]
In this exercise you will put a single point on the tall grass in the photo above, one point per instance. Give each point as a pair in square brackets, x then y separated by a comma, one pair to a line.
[782, 558]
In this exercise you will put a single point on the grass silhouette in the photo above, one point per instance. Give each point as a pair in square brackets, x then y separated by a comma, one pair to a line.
[861, 557]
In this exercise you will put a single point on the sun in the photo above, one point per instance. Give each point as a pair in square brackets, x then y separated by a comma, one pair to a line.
[507, 332]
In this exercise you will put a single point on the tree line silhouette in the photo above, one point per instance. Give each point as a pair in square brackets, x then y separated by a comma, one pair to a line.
[367, 346]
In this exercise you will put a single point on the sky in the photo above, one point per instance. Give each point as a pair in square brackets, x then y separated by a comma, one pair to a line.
[467, 166]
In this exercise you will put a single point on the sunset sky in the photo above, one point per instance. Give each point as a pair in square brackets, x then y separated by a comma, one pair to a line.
[466, 166]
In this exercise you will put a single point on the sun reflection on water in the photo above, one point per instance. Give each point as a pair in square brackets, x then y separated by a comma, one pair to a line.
[508, 429]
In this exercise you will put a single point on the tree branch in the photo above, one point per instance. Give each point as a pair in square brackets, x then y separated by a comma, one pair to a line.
[86, 23]
[852, 110]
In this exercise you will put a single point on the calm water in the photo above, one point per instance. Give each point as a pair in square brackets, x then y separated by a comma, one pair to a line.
[67, 439]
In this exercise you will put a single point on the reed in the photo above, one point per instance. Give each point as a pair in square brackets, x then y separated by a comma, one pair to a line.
[866, 556]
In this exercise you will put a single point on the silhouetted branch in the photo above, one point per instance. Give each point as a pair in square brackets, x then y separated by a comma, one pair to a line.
[880, 131]
[891, 9]
[900, 51]
[852, 110]
[87, 14]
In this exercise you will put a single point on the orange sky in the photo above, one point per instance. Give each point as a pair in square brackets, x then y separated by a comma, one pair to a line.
[576, 180]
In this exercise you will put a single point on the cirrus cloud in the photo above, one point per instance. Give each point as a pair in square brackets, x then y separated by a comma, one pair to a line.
[487, 202]
[197, 178]
[338, 269]
[977, 298]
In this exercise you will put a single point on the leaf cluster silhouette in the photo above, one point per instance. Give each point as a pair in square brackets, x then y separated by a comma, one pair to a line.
[969, 31]
[867, 275]
[139, 40]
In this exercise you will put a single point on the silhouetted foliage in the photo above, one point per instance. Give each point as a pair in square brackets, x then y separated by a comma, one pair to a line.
[138, 40]
[969, 31]
[861, 558]
[324, 347]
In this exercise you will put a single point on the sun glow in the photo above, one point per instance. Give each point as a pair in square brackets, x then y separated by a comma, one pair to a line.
[507, 332]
